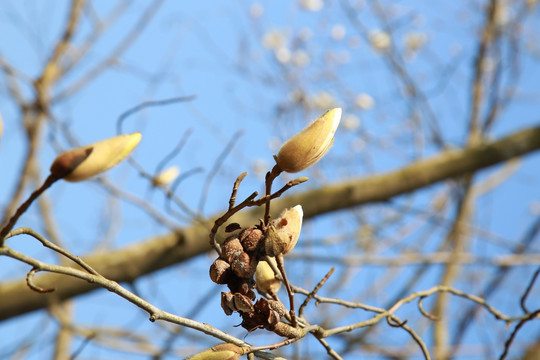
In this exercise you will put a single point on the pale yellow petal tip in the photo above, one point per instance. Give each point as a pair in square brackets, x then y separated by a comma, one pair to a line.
[265, 278]
[85, 162]
[309, 146]
[219, 352]
[283, 233]
[166, 176]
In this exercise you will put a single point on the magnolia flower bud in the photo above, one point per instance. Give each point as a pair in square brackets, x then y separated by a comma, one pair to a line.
[166, 177]
[219, 352]
[85, 162]
[308, 146]
[265, 277]
[283, 232]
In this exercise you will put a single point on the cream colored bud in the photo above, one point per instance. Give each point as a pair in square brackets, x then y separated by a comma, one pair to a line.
[166, 177]
[308, 146]
[265, 278]
[219, 352]
[283, 232]
[85, 162]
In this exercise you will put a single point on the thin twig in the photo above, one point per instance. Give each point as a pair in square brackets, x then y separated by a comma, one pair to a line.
[269, 179]
[528, 290]
[154, 312]
[281, 267]
[314, 291]
[514, 333]
[424, 312]
[232, 199]
[146, 104]
[51, 179]
[33, 286]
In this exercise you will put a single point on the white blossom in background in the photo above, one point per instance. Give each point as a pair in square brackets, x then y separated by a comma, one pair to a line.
[300, 58]
[338, 32]
[364, 101]
[283, 55]
[323, 100]
[312, 5]
[414, 41]
[166, 176]
[350, 122]
[274, 39]
[380, 40]
[256, 10]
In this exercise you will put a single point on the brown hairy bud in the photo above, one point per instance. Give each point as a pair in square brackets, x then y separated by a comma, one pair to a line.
[66, 162]
[251, 239]
[220, 271]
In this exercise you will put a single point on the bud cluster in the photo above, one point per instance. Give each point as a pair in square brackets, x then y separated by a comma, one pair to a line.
[242, 256]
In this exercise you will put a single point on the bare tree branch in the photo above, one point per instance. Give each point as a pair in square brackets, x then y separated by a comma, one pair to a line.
[130, 263]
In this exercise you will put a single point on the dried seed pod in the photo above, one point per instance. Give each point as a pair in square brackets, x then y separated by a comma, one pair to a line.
[270, 310]
[225, 351]
[308, 146]
[85, 162]
[242, 303]
[220, 271]
[227, 303]
[242, 286]
[243, 266]
[283, 232]
[265, 278]
[251, 239]
[231, 249]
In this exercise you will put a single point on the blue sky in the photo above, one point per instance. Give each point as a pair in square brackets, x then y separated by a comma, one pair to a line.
[225, 54]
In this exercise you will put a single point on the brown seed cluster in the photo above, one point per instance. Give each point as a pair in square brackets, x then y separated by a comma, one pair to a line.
[236, 267]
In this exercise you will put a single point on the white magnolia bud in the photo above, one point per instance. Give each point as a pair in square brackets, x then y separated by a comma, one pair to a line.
[85, 162]
[219, 352]
[308, 146]
[265, 278]
[167, 176]
[283, 232]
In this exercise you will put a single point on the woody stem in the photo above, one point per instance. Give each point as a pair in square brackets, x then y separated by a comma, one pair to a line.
[9, 225]
[270, 177]
[281, 268]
